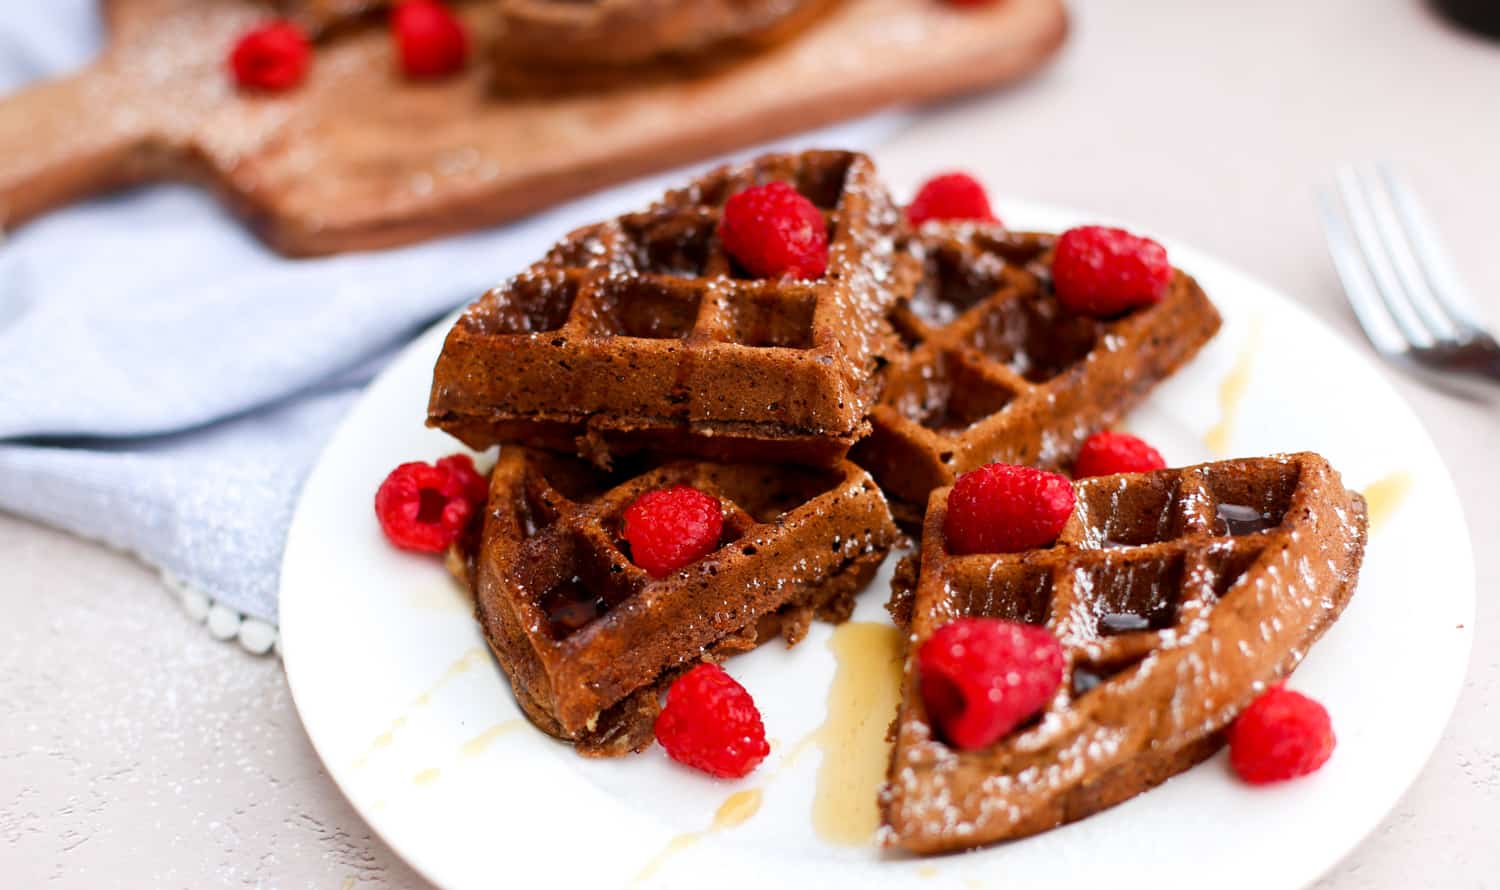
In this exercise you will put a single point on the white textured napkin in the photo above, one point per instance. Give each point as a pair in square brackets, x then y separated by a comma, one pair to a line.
[166, 382]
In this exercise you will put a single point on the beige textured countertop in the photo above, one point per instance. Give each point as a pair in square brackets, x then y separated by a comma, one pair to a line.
[136, 751]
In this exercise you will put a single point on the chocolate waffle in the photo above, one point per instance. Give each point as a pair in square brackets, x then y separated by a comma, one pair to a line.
[642, 332]
[547, 46]
[998, 370]
[1178, 596]
[589, 640]
[320, 17]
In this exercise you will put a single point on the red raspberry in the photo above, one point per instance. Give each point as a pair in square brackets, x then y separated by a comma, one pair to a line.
[430, 39]
[476, 487]
[1282, 735]
[1106, 453]
[671, 527]
[424, 507]
[273, 57]
[1000, 508]
[711, 723]
[773, 231]
[982, 677]
[1102, 271]
[950, 196]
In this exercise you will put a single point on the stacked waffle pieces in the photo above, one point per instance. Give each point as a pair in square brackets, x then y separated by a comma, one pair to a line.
[638, 355]
[1178, 597]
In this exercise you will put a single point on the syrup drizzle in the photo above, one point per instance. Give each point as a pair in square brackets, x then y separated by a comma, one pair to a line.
[478, 744]
[1384, 497]
[737, 809]
[1232, 393]
[861, 703]
[474, 656]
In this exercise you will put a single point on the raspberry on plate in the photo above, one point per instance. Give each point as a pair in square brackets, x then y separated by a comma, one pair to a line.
[272, 57]
[425, 507]
[1002, 508]
[980, 678]
[773, 231]
[950, 196]
[1107, 453]
[671, 527]
[1103, 272]
[1282, 735]
[430, 39]
[711, 723]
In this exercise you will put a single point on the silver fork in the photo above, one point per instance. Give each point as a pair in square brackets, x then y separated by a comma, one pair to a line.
[1399, 280]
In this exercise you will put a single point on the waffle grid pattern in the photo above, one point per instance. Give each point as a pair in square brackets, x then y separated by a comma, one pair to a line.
[1176, 595]
[997, 369]
[579, 626]
[645, 322]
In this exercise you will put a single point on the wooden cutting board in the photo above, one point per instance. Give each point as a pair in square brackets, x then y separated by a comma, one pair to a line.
[357, 158]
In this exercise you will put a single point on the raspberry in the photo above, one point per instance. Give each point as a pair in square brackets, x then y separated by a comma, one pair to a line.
[671, 527]
[1102, 271]
[982, 677]
[425, 507]
[1282, 735]
[1000, 508]
[476, 488]
[773, 231]
[430, 39]
[711, 723]
[950, 196]
[1106, 453]
[273, 57]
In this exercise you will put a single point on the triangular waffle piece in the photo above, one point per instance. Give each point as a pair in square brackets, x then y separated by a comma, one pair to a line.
[587, 638]
[1178, 596]
[998, 370]
[642, 332]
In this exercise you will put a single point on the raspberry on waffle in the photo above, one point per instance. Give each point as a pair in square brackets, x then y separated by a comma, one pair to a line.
[588, 638]
[1178, 596]
[642, 332]
[997, 370]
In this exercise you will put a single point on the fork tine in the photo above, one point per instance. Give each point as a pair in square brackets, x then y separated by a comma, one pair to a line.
[1402, 256]
[1427, 247]
[1358, 286]
[1387, 287]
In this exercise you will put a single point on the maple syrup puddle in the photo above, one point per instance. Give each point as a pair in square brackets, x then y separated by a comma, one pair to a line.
[736, 810]
[473, 657]
[426, 776]
[1232, 393]
[862, 702]
[1384, 497]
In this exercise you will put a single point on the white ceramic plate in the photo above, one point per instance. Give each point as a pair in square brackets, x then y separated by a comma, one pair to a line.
[417, 726]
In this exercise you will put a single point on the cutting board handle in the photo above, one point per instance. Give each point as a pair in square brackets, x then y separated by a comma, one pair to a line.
[69, 138]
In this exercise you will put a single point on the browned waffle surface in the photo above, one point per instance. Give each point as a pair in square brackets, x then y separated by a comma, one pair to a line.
[1178, 596]
[641, 332]
[998, 370]
[586, 637]
[551, 46]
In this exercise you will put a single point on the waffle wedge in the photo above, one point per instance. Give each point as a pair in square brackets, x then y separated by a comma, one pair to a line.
[642, 333]
[997, 370]
[1178, 596]
[589, 640]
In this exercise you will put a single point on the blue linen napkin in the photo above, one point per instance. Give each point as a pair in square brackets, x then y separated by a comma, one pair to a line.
[166, 382]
